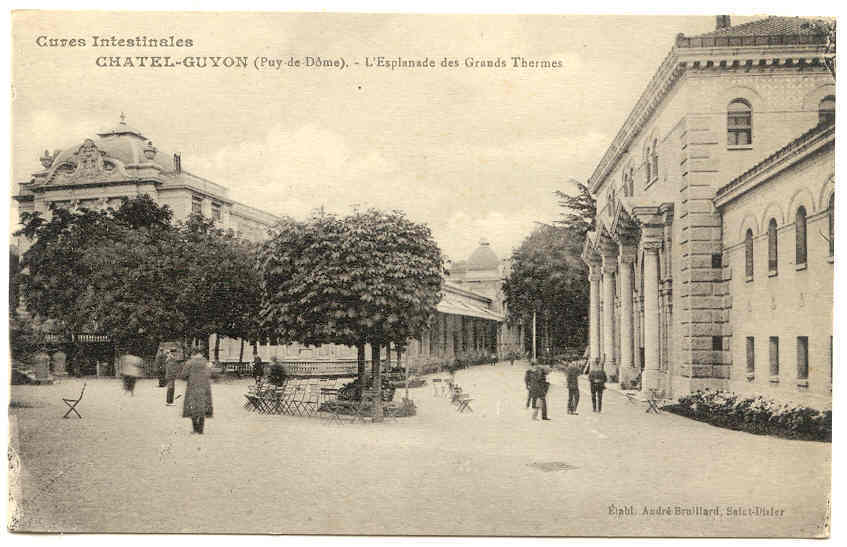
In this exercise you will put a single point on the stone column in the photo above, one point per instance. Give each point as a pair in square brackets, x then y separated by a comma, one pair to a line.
[594, 314]
[651, 378]
[627, 365]
[610, 266]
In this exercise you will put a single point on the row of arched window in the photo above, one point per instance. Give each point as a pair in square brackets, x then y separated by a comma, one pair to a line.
[800, 241]
[739, 120]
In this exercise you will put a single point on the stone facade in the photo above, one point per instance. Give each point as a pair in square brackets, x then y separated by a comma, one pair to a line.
[712, 110]
[779, 333]
[122, 163]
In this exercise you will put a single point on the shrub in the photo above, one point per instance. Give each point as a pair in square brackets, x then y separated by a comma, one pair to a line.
[756, 415]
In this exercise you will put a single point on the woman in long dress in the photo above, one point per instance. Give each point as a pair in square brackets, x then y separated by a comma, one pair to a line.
[197, 403]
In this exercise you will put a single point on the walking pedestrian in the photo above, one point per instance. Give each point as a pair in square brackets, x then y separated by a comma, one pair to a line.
[597, 379]
[539, 387]
[528, 379]
[130, 371]
[573, 371]
[172, 370]
[258, 369]
[197, 403]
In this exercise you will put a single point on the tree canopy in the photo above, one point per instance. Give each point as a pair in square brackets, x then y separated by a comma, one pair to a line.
[548, 277]
[133, 274]
[371, 277]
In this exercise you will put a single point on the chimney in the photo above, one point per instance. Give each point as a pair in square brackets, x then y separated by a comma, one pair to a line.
[722, 21]
[177, 163]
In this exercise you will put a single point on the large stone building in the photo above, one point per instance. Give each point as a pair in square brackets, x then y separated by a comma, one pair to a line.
[700, 164]
[121, 162]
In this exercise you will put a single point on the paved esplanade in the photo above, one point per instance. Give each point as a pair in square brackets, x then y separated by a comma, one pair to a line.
[131, 464]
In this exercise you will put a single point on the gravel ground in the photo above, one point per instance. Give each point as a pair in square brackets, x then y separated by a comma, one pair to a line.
[132, 465]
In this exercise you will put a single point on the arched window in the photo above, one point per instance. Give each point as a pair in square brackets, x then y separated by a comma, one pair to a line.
[748, 254]
[773, 250]
[739, 123]
[831, 215]
[826, 110]
[655, 158]
[800, 235]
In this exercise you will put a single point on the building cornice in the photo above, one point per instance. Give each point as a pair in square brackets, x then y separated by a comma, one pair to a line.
[680, 60]
[808, 143]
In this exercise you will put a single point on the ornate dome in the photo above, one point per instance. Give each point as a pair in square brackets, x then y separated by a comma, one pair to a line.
[483, 258]
[123, 143]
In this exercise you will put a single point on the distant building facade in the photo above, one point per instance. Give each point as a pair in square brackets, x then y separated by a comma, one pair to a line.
[665, 289]
[484, 273]
[122, 163]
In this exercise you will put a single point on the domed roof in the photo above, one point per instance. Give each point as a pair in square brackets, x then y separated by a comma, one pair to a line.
[123, 143]
[483, 258]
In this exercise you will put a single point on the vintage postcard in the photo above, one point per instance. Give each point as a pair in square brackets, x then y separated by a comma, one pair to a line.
[421, 275]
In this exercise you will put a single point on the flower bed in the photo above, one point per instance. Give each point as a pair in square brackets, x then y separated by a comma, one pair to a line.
[755, 415]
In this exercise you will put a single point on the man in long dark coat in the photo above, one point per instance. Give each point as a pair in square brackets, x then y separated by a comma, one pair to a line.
[197, 403]
[597, 378]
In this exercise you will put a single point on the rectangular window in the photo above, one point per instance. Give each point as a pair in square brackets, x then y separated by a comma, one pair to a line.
[197, 205]
[717, 261]
[751, 355]
[773, 346]
[717, 343]
[216, 211]
[802, 357]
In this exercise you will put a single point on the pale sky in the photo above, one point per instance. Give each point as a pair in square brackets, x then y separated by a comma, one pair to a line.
[471, 152]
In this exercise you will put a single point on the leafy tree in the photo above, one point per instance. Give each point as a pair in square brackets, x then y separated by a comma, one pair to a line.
[54, 274]
[220, 283]
[130, 273]
[580, 212]
[368, 278]
[548, 278]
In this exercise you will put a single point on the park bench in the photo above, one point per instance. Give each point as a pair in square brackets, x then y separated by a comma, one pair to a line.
[73, 402]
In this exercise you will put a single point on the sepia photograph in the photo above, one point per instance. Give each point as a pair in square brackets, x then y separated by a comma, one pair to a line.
[395, 274]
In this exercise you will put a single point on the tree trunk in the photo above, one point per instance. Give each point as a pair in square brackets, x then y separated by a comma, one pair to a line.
[217, 348]
[377, 382]
[360, 369]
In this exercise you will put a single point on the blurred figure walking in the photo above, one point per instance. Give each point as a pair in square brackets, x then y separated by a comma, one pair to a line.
[131, 366]
[197, 403]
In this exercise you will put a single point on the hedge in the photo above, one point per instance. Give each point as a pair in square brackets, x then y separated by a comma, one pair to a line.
[755, 415]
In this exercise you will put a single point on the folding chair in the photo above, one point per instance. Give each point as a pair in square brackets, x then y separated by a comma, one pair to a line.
[653, 403]
[311, 400]
[364, 408]
[333, 408]
[436, 387]
[252, 405]
[390, 411]
[464, 404]
[73, 402]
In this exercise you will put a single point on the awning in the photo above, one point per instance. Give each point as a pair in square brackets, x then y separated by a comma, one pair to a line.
[461, 307]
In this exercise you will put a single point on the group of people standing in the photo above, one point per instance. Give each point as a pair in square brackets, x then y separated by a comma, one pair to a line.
[537, 387]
